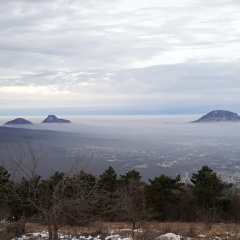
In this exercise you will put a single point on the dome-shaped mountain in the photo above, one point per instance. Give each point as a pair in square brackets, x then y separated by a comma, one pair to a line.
[219, 116]
[19, 121]
[54, 119]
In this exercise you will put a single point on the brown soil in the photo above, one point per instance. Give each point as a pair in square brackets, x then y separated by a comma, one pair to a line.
[148, 230]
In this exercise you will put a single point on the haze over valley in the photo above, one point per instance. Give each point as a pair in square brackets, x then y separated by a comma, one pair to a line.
[152, 145]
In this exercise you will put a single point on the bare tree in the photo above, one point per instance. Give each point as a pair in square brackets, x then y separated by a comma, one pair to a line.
[208, 216]
[131, 202]
[86, 201]
[61, 198]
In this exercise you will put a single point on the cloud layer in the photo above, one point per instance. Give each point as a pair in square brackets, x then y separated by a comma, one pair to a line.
[120, 55]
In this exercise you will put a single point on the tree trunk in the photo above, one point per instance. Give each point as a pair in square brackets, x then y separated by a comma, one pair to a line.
[133, 228]
[49, 231]
[55, 231]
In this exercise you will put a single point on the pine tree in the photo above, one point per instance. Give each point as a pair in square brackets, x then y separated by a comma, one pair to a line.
[108, 180]
[208, 189]
[209, 195]
[161, 192]
[130, 176]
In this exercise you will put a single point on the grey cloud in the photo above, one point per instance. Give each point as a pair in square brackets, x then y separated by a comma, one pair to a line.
[91, 47]
[90, 36]
[170, 79]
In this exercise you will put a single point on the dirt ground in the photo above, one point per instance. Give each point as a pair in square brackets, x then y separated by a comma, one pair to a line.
[149, 230]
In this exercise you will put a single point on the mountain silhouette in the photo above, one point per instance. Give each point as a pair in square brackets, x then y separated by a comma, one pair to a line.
[218, 116]
[54, 119]
[19, 121]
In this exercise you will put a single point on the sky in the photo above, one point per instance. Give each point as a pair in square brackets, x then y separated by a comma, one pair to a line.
[74, 57]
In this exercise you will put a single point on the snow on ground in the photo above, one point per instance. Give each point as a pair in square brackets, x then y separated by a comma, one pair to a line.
[44, 235]
[168, 236]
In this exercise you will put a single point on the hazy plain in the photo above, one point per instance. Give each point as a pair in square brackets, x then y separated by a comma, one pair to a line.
[149, 125]
[153, 145]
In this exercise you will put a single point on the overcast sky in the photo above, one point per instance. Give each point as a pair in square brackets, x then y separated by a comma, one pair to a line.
[119, 56]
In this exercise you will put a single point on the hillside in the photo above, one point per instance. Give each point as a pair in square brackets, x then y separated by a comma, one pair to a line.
[218, 116]
[18, 121]
[54, 119]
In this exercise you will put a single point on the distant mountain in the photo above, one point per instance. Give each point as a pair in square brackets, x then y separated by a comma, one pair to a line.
[54, 119]
[19, 121]
[218, 116]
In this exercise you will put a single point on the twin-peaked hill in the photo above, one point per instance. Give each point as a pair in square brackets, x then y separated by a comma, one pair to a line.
[49, 119]
[54, 119]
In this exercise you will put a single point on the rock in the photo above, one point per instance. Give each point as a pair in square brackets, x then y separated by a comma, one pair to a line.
[54, 119]
[169, 236]
[218, 116]
[19, 121]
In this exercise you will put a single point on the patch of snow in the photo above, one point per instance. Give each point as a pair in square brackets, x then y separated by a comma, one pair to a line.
[130, 230]
[117, 237]
[44, 235]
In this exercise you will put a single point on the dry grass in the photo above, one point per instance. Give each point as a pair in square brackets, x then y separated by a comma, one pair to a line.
[148, 230]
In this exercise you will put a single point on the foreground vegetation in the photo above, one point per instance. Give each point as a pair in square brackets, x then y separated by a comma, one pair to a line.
[122, 230]
[78, 198]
